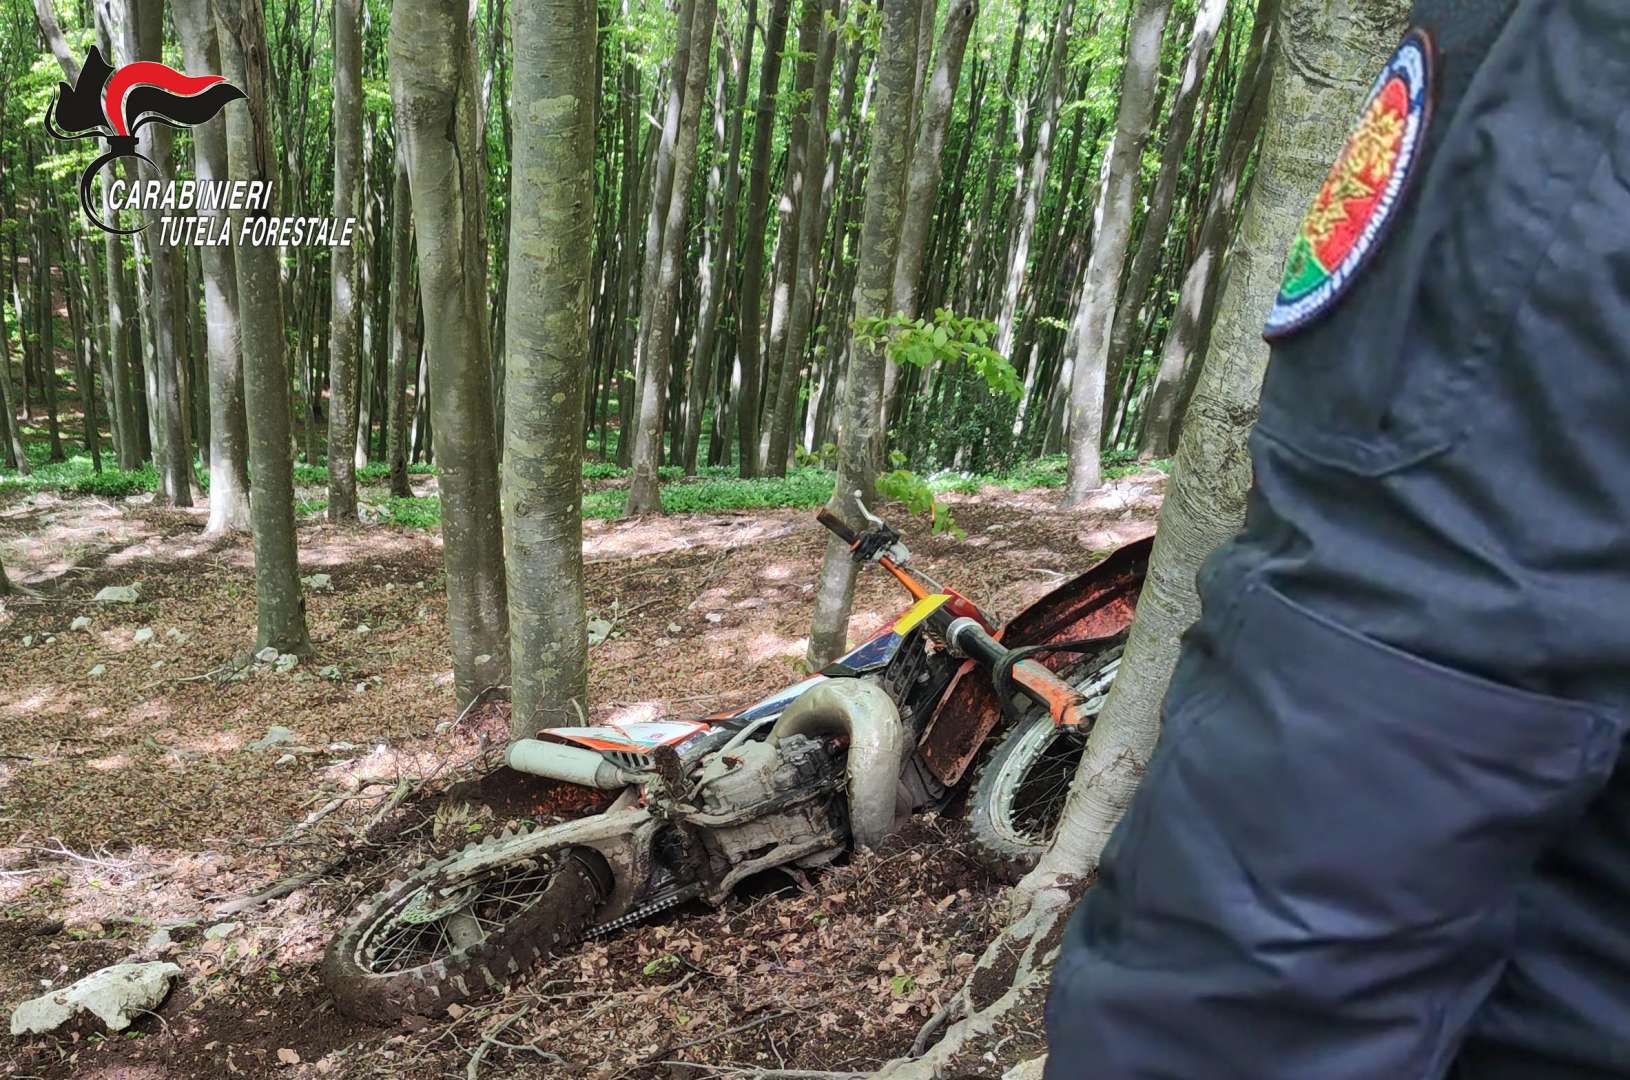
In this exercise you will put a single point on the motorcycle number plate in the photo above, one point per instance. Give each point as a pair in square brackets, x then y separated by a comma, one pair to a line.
[919, 611]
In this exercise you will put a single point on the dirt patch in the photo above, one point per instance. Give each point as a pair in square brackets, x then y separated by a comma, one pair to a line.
[134, 799]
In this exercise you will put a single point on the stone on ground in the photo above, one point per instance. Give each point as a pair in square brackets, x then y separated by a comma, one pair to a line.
[118, 594]
[276, 735]
[115, 995]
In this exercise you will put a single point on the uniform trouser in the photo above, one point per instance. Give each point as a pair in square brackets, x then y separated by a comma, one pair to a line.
[1349, 863]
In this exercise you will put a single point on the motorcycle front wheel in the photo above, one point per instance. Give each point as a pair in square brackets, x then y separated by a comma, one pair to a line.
[461, 927]
[1018, 793]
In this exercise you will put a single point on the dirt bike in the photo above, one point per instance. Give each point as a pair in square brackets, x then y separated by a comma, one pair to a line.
[940, 702]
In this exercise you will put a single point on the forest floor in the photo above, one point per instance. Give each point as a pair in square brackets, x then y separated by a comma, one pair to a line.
[137, 810]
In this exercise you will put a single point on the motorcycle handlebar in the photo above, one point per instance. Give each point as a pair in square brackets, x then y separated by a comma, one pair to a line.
[837, 526]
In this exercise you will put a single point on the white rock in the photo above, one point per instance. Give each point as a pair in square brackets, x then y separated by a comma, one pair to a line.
[364, 628]
[286, 661]
[99, 669]
[80, 623]
[222, 930]
[286, 759]
[144, 635]
[175, 635]
[1027, 1070]
[714, 617]
[158, 940]
[276, 735]
[317, 581]
[599, 630]
[50, 639]
[360, 687]
[118, 594]
[115, 995]
[266, 655]
[28, 639]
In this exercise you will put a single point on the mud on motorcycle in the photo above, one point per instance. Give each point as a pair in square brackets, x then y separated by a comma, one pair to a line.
[939, 702]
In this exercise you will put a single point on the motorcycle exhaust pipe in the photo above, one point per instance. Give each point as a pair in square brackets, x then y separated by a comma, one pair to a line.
[877, 747]
[571, 764]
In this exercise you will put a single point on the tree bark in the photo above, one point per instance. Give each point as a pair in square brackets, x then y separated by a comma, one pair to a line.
[344, 314]
[811, 234]
[404, 329]
[434, 88]
[280, 608]
[722, 254]
[1325, 56]
[145, 33]
[923, 182]
[16, 458]
[228, 425]
[547, 341]
[644, 497]
[1035, 185]
[1207, 19]
[1097, 309]
[874, 286]
[751, 301]
[791, 208]
[1197, 297]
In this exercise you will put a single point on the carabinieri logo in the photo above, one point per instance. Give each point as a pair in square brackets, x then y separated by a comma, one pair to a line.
[116, 102]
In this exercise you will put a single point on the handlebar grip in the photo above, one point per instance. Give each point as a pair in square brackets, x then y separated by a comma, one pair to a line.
[837, 526]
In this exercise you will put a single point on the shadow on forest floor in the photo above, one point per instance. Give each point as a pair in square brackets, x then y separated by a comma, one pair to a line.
[134, 803]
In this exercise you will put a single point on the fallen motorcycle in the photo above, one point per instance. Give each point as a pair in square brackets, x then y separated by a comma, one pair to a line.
[940, 702]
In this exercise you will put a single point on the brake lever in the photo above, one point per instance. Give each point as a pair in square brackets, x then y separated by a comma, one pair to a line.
[880, 540]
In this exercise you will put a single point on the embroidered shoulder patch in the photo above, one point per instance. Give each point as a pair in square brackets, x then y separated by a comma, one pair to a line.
[1345, 224]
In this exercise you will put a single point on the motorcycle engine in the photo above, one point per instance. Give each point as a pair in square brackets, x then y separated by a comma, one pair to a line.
[766, 803]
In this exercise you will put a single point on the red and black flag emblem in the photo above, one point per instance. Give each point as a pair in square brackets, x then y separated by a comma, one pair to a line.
[115, 103]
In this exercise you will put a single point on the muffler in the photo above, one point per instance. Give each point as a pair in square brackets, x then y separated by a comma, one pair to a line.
[572, 764]
[877, 747]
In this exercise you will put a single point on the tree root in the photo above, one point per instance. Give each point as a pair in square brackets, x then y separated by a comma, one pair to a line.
[1019, 962]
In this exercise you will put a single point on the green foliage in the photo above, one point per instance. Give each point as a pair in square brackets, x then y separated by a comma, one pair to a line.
[946, 338]
[907, 487]
[115, 484]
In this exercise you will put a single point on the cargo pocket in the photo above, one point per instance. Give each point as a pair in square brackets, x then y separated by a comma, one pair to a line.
[1337, 831]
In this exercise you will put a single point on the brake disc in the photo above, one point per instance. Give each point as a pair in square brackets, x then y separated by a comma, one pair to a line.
[423, 909]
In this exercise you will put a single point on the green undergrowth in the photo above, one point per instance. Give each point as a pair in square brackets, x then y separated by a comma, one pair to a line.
[712, 489]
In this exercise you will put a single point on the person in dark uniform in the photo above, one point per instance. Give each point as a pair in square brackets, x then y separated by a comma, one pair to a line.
[1386, 834]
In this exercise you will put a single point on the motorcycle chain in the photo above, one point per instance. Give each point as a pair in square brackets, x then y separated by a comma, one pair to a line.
[641, 913]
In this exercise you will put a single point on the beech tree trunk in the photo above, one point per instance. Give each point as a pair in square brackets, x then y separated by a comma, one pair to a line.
[228, 425]
[547, 347]
[280, 608]
[1097, 309]
[1208, 18]
[1325, 58]
[750, 313]
[404, 355]
[790, 209]
[1197, 299]
[344, 314]
[1035, 177]
[874, 287]
[727, 132]
[811, 234]
[173, 454]
[643, 494]
[922, 184]
[434, 89]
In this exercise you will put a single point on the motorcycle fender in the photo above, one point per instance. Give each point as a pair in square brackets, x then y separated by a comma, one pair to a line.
[1096, 604]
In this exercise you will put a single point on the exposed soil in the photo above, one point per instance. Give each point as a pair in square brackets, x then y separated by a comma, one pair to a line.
[132, 797]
